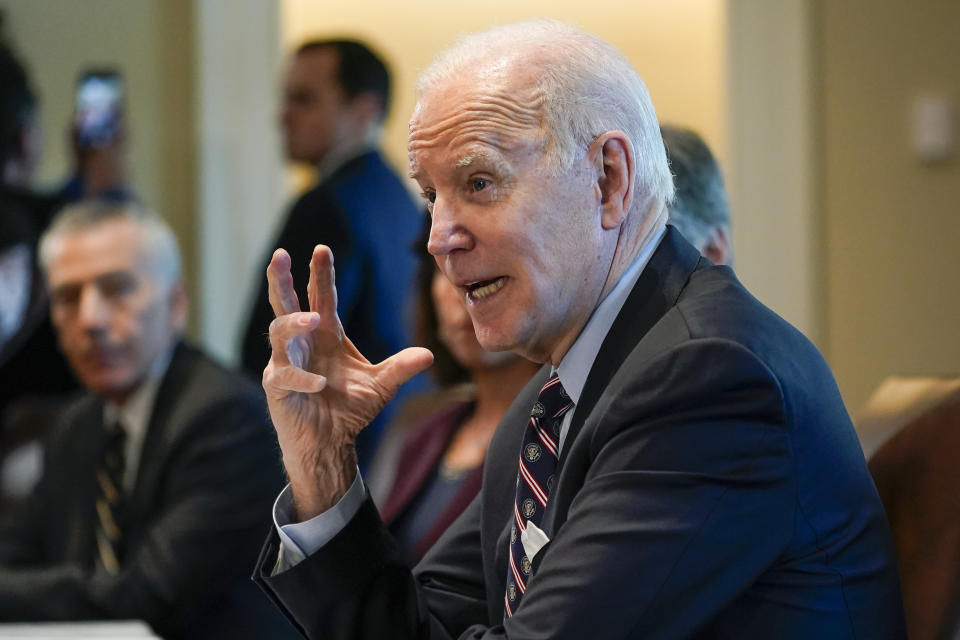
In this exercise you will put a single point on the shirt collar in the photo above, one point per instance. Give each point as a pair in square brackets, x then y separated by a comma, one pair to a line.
[134, 414]
[337, 158]
[577, 362]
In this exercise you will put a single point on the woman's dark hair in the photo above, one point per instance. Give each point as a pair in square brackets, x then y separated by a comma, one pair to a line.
[446, 370]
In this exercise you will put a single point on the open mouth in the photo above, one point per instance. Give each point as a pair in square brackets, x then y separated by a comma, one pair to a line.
[484, 288]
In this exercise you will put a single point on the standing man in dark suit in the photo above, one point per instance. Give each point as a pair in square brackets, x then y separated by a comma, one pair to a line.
[335, 98]
[682, 467]
[158, 476]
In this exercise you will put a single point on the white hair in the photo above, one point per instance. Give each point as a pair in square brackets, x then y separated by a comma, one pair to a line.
[161, 244]
[587, 88]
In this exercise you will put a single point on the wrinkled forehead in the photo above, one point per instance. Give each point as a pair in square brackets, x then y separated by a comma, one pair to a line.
[492, 110]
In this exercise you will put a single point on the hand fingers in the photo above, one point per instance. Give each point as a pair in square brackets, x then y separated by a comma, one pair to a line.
[287, 327]
[283, 297]
[281, 377]
[321, 288]
[400, 367]
[279, 381]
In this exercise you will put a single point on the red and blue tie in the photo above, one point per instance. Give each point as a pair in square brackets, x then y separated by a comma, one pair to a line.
[538, 462]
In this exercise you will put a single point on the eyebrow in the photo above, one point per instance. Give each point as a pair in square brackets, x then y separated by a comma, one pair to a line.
[479, 155]
[97, 280]
[63, 288]
[472, 157]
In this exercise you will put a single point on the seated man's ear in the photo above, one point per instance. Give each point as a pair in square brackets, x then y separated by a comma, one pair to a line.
[717, 246]
[179, 305]
[612, 156]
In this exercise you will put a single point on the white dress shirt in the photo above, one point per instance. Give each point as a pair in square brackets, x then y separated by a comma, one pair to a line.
[298, 540]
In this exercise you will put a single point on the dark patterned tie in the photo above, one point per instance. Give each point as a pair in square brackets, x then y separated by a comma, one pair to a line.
[110, 499]
[538, 461]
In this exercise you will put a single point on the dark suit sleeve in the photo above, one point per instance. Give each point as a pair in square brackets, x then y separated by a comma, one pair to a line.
[685, 499]
[218, 486]
[359, 586]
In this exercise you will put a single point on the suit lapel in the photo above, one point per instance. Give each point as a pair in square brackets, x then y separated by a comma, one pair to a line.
[656, 290]
[81, 462]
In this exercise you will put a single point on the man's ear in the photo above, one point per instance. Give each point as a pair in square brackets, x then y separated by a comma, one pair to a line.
[616, 167]
[718, 247]
[367, 109]
[179, 307]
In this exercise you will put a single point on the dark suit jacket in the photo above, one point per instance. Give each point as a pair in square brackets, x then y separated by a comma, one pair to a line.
[918, 479]
[367, 217]
[710, 486]
[206, 478]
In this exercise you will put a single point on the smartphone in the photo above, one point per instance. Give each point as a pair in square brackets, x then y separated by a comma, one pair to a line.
[98, 109]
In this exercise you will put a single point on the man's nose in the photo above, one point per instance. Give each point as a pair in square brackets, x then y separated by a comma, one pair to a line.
[93, 312]
[447, 230]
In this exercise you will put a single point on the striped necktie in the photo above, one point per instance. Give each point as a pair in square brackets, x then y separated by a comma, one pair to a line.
[110, 499]
[538, 462]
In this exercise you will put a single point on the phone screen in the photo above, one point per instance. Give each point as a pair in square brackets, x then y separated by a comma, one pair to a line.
[98, 109]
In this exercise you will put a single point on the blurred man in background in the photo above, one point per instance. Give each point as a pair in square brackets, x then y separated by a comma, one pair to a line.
[166, 451]
[699, 209]
[336, 96]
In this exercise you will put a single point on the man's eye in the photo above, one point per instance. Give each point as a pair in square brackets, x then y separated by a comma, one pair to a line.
[117, 286]
[479, 184]
[429, 196]
[65, 297]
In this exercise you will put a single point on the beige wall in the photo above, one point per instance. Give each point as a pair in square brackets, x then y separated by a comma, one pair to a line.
[770, 173]
[891, 223]
[240, 195]
[151, 42]
[658, 38]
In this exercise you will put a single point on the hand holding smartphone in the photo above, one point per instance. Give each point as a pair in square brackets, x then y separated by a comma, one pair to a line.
[98, 108]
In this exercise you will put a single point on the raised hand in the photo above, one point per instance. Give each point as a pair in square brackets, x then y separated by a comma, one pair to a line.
[320, 390]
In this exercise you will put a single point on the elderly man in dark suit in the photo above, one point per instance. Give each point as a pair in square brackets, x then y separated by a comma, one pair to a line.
[156, 479]
[682, 466]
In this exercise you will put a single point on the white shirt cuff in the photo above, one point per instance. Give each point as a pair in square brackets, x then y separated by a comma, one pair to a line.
[299, 540]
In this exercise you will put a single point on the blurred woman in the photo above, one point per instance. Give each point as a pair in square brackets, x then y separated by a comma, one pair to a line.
[440, 440]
